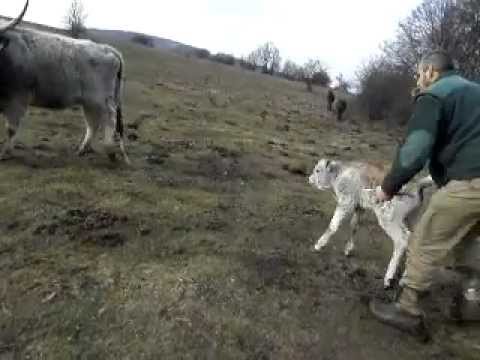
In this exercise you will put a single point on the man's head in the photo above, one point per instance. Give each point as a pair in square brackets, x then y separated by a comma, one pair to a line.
[432, 66]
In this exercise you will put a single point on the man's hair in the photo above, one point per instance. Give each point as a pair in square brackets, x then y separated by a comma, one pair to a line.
[440, 60]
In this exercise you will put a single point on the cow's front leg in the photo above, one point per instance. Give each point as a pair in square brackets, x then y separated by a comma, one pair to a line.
[342, 212]
[14, 112]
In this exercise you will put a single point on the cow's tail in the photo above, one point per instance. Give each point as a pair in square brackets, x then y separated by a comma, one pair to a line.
[119, 125]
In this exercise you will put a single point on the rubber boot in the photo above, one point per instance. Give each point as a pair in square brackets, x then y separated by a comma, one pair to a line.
[405, 314]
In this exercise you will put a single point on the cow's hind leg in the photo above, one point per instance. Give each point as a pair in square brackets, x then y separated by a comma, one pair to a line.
[14, 112]
[92, 121]
[109, 118]
[114, 126]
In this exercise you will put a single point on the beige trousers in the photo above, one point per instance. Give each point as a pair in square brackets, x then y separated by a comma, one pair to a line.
[450, 222]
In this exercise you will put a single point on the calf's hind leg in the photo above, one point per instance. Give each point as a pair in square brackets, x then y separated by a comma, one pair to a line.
[399, 234]
[354, 224]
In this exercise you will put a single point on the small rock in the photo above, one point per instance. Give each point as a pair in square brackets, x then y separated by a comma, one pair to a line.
[144, 231]
[13, 225]
[41, 147]
[154, 159]
[132, 137]
[331, 153]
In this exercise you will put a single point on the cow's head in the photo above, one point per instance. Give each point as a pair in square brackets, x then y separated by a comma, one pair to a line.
[324, 173]
[3, 40]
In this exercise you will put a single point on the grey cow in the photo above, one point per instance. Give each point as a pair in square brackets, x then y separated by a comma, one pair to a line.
[54, 71]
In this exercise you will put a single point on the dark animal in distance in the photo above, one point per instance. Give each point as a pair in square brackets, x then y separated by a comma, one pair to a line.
[54, 71]
[330, 99]
[340, 106]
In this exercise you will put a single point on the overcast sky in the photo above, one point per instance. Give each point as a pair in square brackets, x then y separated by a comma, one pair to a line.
[342, 33]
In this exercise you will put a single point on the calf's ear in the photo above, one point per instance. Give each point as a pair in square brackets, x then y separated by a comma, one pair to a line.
[332, 166]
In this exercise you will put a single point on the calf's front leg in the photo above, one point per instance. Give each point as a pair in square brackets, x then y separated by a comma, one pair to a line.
[342, 212]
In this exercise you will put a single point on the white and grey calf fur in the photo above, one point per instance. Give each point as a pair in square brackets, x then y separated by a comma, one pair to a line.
[354, 185]
[54, 71]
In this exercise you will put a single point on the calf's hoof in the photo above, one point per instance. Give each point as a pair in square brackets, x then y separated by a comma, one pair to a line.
[388, 285]
[348, 253]
[85, 151]
[318, 247]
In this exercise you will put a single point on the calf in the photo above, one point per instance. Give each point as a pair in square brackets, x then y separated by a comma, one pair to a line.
[354, 186]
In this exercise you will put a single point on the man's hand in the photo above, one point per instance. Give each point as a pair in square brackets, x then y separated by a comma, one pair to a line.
[381, 195]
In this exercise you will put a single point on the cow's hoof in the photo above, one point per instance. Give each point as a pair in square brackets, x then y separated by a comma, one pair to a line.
[112, 157]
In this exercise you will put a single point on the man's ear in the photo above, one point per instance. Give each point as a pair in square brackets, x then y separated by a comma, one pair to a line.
[429, 72]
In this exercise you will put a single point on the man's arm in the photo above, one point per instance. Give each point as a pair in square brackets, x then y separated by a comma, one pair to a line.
[417, 148]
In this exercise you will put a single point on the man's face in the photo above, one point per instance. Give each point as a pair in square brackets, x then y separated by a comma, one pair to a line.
[425, 76]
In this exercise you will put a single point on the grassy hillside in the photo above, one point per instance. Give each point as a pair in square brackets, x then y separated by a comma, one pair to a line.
[203, 249]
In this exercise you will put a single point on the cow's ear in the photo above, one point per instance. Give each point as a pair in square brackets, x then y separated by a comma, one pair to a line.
[4, 43]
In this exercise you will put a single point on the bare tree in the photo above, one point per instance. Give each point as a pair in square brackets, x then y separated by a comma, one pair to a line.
[314, 72]
[384, 90]
[292, 71]
[433, 24]
[267, 57]
[467, 31]
[75, 19]
[453, 25]
[342, 84]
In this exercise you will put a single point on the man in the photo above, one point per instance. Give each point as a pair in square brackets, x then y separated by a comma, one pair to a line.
[444, 131]
[330, 99]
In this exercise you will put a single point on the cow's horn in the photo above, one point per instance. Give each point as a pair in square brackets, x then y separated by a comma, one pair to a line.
[14, 22]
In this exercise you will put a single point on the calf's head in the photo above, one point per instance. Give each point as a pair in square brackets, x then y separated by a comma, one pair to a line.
[324, 173]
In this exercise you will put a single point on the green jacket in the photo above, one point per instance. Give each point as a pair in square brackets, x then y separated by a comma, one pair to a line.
[444, 131]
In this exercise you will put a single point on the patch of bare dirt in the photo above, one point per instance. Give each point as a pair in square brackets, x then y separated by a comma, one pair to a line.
[98, 227]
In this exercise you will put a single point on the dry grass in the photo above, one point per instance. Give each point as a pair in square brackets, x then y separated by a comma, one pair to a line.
[202, 250]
